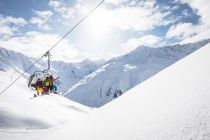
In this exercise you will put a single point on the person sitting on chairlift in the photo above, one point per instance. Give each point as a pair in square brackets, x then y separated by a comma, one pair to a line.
[38, 86]
[49, 84]
[52, 85]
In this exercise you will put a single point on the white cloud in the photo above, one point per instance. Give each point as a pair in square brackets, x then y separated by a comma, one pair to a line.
[109, 20]
[44, 14]
[60, 7]
[134, 15]
[41, 19]
[181, 30]
[201, 32]
[148, 40]
[40, 43]
[6, 30]
[9, 25]
[134, 18]
[201, 7]
[187, 32]
[139, 18]
[116, 2]
[55, 4]
[11, 20]
[38, 21]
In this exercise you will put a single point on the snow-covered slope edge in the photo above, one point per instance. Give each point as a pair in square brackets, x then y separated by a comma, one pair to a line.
[123, 73]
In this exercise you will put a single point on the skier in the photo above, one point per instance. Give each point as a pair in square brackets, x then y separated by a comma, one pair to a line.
[52, 85]
[38, 86]
[47, 84]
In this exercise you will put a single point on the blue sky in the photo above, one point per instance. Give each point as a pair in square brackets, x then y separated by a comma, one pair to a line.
[117, 27]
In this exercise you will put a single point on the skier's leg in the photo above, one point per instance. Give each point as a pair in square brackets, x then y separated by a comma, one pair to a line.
[55, 88]
[38, 91]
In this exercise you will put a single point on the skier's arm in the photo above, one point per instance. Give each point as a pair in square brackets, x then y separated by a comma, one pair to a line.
[56, 79]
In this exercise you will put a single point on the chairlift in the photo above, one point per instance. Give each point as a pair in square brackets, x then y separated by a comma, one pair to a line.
[40, 74]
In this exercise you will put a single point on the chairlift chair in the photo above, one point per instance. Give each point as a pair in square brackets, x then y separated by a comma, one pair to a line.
[40, 74]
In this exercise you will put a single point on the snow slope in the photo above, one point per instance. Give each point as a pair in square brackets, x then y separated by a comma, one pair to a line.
[172, 105]
[123, 73]
[19, 111]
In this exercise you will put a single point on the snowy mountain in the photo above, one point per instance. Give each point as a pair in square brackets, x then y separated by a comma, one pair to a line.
[120, 74]
[10, 60]
[172, 105]
[90, 66]
[69, 73]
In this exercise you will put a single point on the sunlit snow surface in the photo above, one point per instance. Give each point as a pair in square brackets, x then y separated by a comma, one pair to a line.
[172, 105]
[20, 111]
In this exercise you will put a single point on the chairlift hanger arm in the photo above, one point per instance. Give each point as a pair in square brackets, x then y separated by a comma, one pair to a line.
[48, 55]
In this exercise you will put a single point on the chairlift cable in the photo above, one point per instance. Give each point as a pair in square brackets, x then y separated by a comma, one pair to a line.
[6, 88]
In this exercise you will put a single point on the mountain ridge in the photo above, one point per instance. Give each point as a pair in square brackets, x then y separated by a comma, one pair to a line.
[122, 73]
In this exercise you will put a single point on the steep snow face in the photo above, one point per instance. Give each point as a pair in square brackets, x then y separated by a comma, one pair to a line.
[172, 105]
[123, 73]
[69, 73]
